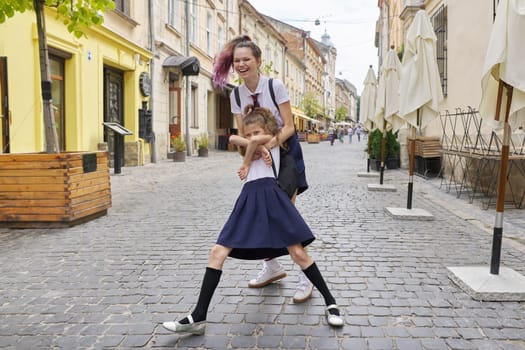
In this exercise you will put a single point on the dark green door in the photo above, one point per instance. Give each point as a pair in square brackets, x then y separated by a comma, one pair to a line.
[113, 110]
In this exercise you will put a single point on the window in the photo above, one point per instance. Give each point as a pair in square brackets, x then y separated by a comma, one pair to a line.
[268, 55]
[276, 62]
[193, 23]
[122, 6]
[57, 68]
[174, 15]
[220, 35]
[194, 107]
[439, 20]
[208, 34]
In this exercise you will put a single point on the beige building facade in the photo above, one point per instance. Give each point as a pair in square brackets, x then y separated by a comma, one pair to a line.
[462, 29]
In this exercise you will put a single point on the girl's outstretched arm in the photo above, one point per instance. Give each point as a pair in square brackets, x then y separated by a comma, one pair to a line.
[251, 146]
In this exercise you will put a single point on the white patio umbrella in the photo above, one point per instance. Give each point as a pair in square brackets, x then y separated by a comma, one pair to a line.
[368, 106]
[420, 87]
[387, 102]
[504, 69]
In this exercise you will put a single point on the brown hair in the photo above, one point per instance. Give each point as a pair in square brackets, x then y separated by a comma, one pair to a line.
[261, 116]
[224, 60]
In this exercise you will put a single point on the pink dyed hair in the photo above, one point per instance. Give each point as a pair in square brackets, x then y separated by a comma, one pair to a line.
[224, 60]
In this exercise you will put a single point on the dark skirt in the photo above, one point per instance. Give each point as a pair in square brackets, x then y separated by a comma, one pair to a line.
[294, 148]
[263, 223]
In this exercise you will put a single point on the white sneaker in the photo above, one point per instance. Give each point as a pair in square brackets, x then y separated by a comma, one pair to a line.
[267, 276]
[304, 289]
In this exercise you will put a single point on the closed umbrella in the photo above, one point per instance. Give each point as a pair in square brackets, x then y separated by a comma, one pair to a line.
[367, 106]
[387, 102]
[504, 70]
[420, 87]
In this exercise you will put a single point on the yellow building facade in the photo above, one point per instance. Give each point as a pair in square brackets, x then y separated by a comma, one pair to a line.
[95, 79]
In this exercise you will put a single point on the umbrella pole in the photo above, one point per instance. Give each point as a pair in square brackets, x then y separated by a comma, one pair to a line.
[383, 147]
[368, 154]
[411, 152]
[502, 178]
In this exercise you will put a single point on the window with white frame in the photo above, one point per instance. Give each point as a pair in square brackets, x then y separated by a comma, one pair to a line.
[122, 6]
[276, 62]
[268, 55]
[439, 20]
[174, 15]
[209, 40]
[220, 36]
[194, 107]
[193, 23]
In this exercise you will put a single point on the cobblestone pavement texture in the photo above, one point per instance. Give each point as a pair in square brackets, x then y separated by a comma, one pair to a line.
[109, 283]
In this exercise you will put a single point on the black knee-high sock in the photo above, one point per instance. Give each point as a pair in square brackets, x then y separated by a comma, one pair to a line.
[314, 275]
[209, 283]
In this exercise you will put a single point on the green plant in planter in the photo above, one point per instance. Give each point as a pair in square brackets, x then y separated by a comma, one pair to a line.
[178, 143]
[202, 144]
[203, 140]
[392, 146]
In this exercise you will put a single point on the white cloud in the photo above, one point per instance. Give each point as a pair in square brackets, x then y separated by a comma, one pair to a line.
[350, 23]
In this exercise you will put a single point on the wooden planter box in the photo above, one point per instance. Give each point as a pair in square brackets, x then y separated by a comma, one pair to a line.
[312, 138]
[40, 190]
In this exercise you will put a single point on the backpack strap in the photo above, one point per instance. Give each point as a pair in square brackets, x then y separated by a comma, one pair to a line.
[272, 93]
[237, 96]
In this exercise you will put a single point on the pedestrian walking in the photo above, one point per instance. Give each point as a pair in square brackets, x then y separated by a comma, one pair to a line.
[244, 56]
[341, 134]
[358, 131]
[331, 135]
[264, 223]
[350, 133]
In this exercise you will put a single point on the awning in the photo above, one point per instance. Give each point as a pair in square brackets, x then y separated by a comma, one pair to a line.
[301, 115]
[187, 65]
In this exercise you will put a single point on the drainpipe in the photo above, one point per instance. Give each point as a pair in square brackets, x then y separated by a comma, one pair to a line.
[188, 87]
[152, 75]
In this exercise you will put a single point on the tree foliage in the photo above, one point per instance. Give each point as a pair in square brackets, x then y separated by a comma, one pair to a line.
[310, 105]
[76, 14]
[341, 113]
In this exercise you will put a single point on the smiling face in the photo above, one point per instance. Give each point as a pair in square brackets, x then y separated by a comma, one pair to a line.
[245, 63]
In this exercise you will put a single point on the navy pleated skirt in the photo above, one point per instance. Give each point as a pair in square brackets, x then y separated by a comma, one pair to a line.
[295, 150]
[263, 223]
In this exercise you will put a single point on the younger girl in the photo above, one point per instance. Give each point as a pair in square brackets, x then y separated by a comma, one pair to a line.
[263, 224]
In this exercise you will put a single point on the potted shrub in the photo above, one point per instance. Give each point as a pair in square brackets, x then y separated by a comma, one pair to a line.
[202, 144]
[179, 146]
[392, 148]
[392, 151]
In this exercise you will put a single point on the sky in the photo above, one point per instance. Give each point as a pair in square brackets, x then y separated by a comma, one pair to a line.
[350, 23]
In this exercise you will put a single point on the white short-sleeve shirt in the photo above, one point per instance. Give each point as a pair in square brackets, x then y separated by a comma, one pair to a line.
[264, 98]
[259, 169]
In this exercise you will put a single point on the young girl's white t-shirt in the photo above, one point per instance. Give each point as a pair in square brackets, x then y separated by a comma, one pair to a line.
[259, 169]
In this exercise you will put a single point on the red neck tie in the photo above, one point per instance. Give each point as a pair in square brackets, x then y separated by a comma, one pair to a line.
[255, 102]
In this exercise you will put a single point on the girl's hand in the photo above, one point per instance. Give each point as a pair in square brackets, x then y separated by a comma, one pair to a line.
[265, 153]
[256, 155]
[243, 172]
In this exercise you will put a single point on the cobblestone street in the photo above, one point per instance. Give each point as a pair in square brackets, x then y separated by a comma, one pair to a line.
[109, 283]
